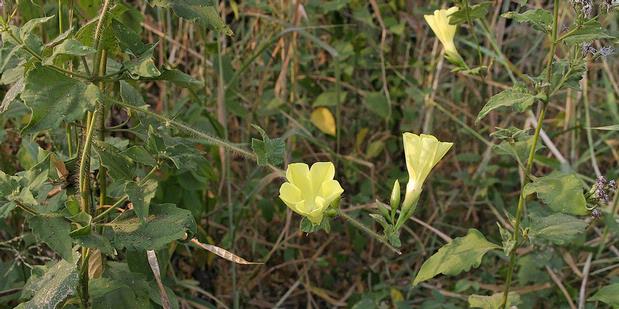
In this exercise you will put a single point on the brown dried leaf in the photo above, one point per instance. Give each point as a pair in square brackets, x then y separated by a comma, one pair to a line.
[223, 253]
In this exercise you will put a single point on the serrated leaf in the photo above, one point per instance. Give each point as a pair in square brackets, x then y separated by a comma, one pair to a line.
[141, 195]
[202, 11]
[608, 295]
[378, 104]
[459, 255]
[164, 224]
[179, 78]
[561, 192]
[70, 47]
[518, 98]
[119, 166]
[519, 150]
[494, 301]
[53, 97]
[95, 241]
[54, 231]
[323, 119]
[53, 287]
[589, 31]
[268, 151]
[539, 19]
[476, 11]
[11, 94]
[557, 228]
[143, 65]
[128, 40]
[130, 95]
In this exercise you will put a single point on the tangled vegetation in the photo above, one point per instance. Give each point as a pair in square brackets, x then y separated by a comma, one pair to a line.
[288, 154]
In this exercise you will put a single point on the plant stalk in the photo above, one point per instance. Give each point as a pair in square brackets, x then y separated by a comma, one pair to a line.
[521, 199]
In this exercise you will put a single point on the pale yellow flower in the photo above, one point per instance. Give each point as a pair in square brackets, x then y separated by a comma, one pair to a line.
[309, 192]
[422, 153]
[439, 23]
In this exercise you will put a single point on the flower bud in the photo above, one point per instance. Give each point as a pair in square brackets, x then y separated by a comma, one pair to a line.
[395, 195]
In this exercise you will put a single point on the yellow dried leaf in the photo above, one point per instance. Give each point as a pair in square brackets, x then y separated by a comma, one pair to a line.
[323, 119]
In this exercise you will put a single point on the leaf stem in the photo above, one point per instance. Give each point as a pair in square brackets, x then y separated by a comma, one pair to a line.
[368, 231]
[530, 159]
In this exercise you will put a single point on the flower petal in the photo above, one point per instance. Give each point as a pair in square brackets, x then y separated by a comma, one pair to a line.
[298, 175]
[290, 194]
[321, 172]
[331, 190]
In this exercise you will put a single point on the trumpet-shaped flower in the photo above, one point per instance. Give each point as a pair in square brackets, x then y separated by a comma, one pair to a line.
[422, 153]
[439, 23]
[309, 192]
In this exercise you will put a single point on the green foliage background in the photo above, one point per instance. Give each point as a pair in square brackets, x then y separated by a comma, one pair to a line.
[203, 105]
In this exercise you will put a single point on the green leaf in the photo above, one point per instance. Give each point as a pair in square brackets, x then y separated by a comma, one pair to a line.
[54, 231]
[557, 228]
[608, 295]
[143, 65]
[459, 255]
[53, 287]
[203, 11]
[494, 301]
[306, 226]
[589, 31]
[476, 11]
[518, 98]
[53, 97]
[121, 288]
[11, 94]
[28, 36]
[128, 40]
[329, 98]
[539, 19]
[141, 195]
[566, 74]
[378, 104]
[119, 166]
[519, 150]
[561, 192]
[268, 151]
[164, 224]
[86, 35]
[130, 95]
[70, 47]
[178, 77]
[95, 241]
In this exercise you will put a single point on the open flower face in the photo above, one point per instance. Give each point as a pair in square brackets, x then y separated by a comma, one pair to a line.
[309, 192]
[439, 23]
[422, 153]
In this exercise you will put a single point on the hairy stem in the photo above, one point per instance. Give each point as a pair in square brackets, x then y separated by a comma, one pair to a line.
[529, 164]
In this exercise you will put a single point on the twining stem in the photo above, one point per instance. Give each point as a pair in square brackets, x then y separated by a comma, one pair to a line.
[368, 231]
[84, 167]
[101, 179]
[521, 199]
